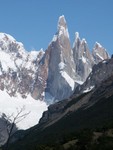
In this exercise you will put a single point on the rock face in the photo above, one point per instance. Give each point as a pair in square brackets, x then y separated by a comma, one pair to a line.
[99, 53]
[98, 87]
[82, 58]
[61, 73]
[77, 109]
[100, 72]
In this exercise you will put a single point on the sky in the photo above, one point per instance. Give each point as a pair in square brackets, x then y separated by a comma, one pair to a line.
[34, 22]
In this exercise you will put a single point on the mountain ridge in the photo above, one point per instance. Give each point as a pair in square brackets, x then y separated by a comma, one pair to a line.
[64, 76]
[90, 111]
[50, 75]
[41, 71]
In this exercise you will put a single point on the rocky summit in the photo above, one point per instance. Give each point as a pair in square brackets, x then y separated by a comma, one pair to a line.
[61, 69]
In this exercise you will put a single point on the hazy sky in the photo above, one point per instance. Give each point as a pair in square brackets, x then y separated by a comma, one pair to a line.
[34, 22]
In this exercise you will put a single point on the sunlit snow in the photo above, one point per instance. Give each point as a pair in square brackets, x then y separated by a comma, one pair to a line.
[2, 35]
[35, 108]
[61, 65]
[99, 56]
[54, 38]
[6, 61]
[79, 82]
[83, 59]
[104, 61]
[69, 80]
[88, 89]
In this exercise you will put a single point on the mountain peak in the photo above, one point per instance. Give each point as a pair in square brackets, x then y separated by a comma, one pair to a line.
[77, 39]
[83, 40]
[9, 44]
[61, 29]
[4, 36]
[99, 53]
[98, 44]
[62, 22]
[77, 35]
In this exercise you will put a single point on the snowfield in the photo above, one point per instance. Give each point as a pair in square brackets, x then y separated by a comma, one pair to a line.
[10, 105]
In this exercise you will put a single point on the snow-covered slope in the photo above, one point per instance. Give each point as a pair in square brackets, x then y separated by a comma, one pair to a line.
[18, 77]
[18, 68]
[11, 105]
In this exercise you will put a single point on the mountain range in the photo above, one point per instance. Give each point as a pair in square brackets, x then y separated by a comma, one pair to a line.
[57, 77]
[50, 75]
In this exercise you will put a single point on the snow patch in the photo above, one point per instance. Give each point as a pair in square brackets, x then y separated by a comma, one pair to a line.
[43, 94]
[88, 89]
[33, 55]
[62, 17]
[77, 35]
[61, 65]
[100, 56]
[83, 59]
[99, 45]
[54, 38]
[73, 70]
[6, 61]
[89, 78]
[69, 80]
[104, 61]
[79, 82]
[18, 62]
[84, 41]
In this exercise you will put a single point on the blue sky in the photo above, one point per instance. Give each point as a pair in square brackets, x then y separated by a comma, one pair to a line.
[34, 22]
